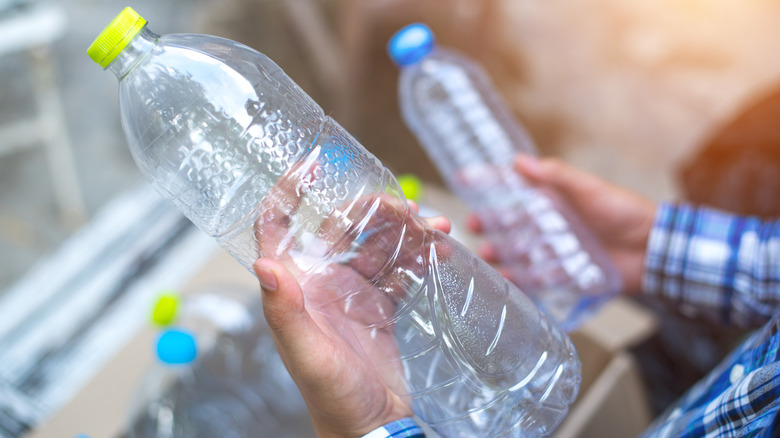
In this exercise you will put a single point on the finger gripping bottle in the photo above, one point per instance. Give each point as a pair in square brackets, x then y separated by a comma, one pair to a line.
[469, 133]
[251, 159]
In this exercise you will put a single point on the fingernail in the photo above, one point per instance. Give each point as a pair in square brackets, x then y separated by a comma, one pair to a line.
[267, 279]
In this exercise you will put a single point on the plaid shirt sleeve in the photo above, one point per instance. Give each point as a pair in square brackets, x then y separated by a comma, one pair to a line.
[713, 264]
[726, 267]
[740, 397]
[403, 428]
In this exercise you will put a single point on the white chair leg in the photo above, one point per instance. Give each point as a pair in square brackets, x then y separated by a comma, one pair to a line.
[54, 133]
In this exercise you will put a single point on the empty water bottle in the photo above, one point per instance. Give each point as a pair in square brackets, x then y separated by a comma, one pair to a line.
[237, 350]
[181, 397]
[251, 159]
[414, 190]
[469, 133]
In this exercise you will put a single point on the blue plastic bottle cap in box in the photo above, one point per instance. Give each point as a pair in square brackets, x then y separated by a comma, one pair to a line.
[176, 347]
[410, 44]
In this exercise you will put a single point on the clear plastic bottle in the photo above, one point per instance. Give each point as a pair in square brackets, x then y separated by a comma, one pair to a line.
[469, 133]
[414, 190]
[238, 380]
[251, 159]
[230, 327]
[183, 397]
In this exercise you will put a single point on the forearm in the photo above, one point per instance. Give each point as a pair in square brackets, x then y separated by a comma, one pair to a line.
[714, 264]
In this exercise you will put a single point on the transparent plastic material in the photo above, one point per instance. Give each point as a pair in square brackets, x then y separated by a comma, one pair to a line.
[241, 150]
[469, 133]
[191, 399]
[237, 386]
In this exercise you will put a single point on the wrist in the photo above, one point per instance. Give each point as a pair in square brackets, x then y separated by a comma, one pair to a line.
[636, 260]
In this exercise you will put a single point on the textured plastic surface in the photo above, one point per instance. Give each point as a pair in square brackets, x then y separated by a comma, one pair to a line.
[472, 137]
[223, 132]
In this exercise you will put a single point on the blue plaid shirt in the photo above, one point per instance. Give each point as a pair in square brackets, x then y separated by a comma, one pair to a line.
[404, 428]
[726, 268]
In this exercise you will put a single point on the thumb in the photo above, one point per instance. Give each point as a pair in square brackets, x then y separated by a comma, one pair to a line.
[284, 308]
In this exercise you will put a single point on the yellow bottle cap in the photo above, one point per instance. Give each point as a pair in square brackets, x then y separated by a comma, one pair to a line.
[115, 37]
[411, 186]
[165, 308]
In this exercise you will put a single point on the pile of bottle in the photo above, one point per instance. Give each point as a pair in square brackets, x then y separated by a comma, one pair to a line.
[217, 373]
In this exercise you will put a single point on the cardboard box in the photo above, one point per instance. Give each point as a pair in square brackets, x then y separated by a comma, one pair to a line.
[612, 401]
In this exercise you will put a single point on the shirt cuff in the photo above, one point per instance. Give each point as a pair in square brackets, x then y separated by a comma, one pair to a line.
[703, 262]
[404, 428]
[666, 248]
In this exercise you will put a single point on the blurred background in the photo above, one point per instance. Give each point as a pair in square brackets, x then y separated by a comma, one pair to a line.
[627, 90]
[671, 98]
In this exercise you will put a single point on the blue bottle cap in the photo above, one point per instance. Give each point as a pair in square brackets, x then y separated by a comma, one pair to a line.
[176, 347]
[410, 44]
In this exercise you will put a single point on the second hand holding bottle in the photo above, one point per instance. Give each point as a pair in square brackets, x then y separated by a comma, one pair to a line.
[469, 133]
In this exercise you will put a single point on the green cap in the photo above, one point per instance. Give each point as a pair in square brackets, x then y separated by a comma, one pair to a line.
[115, 37]
[411, 186]
[165, 308]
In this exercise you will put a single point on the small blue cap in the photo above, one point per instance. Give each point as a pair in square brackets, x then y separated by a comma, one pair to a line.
[176, 347]
[410, 44]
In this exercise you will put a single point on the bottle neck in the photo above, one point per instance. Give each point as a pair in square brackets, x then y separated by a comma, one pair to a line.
[137, 50]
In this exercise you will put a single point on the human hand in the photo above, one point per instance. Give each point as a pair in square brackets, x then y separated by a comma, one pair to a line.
[345, 394]
[619, 218]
